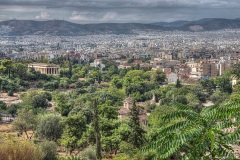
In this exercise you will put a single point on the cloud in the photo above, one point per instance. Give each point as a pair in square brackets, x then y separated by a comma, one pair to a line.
[98, 11]
[43, 16]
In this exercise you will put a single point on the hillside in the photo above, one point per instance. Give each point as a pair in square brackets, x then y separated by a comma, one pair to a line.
[64, 28]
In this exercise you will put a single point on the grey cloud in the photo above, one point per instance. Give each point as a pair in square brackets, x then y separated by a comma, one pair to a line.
[96, 11]
[125, 3]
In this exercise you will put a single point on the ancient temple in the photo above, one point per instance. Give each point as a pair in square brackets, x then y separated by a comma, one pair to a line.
[44, 68]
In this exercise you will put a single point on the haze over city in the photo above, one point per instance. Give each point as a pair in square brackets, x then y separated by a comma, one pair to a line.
[124, 11]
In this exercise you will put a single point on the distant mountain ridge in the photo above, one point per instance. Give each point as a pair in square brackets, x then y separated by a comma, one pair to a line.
[65, 28]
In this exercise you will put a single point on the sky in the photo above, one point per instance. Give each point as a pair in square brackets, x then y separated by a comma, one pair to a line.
[118, 11]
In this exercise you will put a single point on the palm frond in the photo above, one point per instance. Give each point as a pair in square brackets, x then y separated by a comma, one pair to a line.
[182, 107]
[189, 115]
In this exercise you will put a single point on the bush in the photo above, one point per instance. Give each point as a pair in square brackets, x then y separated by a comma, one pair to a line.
[50, 86]
[10, 93]
[47, 95]
[50, 127]
[49, 149]
[36, 99]
[3, 105]
[89, 153]
[14, 149]
[12, 109]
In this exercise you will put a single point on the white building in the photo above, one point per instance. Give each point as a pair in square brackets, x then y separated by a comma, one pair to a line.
[171, 77]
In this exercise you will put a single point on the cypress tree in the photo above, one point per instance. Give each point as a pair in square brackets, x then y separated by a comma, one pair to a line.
[137, 136]
[97, 131]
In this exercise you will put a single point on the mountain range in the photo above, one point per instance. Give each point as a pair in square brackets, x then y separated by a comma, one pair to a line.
[65, 28]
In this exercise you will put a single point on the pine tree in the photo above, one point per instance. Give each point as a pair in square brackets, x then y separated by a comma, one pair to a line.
[136, 138]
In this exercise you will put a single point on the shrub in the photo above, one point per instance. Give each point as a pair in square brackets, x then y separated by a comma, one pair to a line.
[49, 149]
[3, 105]
[89, 153]
[50, 127]
[10, 93]
[12, 109]
[14, 149]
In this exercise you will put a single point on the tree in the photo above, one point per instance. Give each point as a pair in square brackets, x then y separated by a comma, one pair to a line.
[36, 99]
[208, 85]
[97, 131]
[50, 127]
[19, 70]
[96, 75]
[108, 124]
[8, 65]
[63, 104]
[3, 106]
[25, 121]
[236, 70]
[49, 149]
[75, 126]
[178, 84]
[70, 69]
[13, 108]
[136, 137]
[195, 135]
[224, 84]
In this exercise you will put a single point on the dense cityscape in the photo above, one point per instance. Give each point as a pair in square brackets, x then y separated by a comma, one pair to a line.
[194, 55]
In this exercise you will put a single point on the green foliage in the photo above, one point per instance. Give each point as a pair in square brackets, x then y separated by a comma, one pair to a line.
[50, 127]
[49, 149]
[7, 85]
[64, 106]
[10, 93]
[219, 97]
[236, 88]
[198, 135]
[224, 84]
[14, 149]
[178, 84]
[155, 119]
[96, 75]
[7, 66]
[75, 126]
[137, 134]
[235, 98]
[208, 85]
[25, 121]
[13, 108]
[116, 82]
[88, 153]
[19, 70]
[50, 86]
[36, 99]
[3, 106]
[236, 70]
[97, 130]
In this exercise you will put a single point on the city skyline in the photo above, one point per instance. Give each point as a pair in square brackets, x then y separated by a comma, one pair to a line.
[102, 11]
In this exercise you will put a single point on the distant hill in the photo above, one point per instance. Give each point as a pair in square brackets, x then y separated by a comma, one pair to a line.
[207, 24]
[64, 28]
